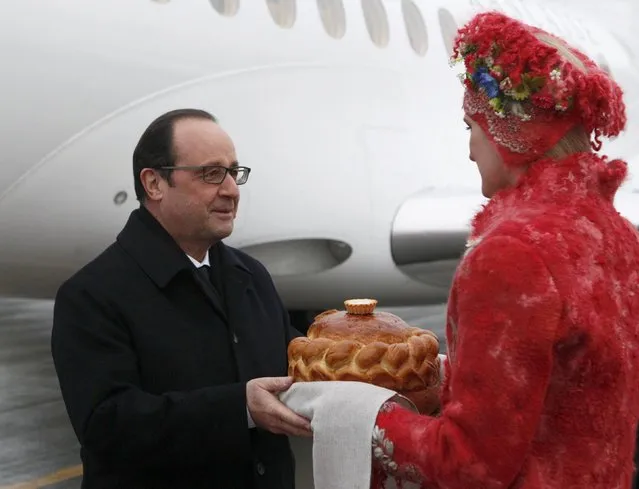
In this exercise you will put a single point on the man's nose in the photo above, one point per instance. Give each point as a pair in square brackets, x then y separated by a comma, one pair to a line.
[229, 187]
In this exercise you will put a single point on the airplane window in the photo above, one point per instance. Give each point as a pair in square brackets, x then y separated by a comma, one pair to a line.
[582, 33]
[415, 27]
[448, 27]
[513, 10]
[589, 36]
[376, 22]
[487, 5]
[623, 44]
[283, 12]
[333, 17]
[226, 7]
[533, 15]
[553, 21]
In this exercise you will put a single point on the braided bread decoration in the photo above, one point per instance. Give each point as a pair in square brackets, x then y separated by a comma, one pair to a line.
[366, 346]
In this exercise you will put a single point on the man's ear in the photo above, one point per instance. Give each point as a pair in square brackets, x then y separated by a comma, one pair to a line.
[152, 183]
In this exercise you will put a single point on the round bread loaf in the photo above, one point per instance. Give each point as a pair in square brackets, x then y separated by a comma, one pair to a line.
[362, 345]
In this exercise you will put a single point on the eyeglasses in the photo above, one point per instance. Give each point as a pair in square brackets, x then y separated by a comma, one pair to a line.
[216, 174]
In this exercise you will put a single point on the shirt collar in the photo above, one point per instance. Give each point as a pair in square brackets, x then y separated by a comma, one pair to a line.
[157, 253]
[198, 264]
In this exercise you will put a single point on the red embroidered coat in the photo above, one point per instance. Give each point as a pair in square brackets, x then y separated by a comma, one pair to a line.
[542, 378]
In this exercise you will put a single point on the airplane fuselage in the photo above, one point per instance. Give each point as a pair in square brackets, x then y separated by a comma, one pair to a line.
[350, 119]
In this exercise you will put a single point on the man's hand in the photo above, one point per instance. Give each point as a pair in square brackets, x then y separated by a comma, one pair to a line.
[269, 413]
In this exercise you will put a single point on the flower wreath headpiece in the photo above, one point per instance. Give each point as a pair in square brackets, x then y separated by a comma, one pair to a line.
[525, 94]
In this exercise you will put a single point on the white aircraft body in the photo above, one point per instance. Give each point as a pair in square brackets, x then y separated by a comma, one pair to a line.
[347, 112]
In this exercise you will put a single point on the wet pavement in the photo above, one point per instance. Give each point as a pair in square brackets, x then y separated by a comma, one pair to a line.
[36, 439]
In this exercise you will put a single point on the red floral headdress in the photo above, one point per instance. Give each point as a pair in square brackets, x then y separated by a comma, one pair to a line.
[525, 94]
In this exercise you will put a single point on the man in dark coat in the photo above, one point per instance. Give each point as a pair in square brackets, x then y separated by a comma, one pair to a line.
[170, 347]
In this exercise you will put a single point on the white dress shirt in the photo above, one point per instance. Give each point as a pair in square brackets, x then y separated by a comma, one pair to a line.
[207, 262]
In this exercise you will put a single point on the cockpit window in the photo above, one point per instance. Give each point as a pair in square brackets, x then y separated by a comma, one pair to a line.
[333, 17]
[415, 27]
[449, 28]
[283, 12]
[227, 8]
[376, 22]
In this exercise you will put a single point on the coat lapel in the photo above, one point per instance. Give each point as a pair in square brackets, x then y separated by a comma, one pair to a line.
[164, 259]
[238, 285]
[212, 295]
[239, 311]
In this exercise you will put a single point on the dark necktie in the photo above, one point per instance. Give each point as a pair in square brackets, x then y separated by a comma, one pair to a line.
[205, 275]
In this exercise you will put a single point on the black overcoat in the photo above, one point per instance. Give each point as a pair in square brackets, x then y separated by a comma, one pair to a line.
[153, 367]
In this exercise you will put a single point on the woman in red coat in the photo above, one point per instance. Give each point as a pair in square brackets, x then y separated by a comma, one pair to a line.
[542, 379]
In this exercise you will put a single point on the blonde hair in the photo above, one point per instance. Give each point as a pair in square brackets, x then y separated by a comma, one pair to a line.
[577, 139]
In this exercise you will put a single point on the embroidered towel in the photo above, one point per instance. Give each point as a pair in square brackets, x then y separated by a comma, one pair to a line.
[342, 417]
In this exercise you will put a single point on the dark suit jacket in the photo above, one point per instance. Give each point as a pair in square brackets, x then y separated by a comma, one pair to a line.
[153, 370]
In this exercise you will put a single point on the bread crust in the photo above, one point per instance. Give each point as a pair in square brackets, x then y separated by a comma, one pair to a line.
[377, 348]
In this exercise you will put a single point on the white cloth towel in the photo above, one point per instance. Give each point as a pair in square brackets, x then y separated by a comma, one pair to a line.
[342, 417]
